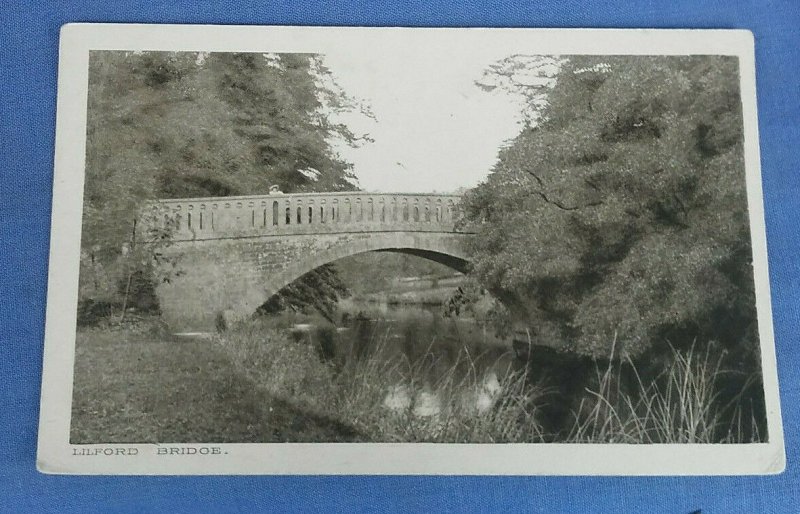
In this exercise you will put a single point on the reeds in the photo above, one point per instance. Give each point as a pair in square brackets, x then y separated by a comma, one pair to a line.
[455, 401]
[417, 395]
[682, 404]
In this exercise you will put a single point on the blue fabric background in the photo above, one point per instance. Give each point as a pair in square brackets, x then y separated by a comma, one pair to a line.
[28, 58]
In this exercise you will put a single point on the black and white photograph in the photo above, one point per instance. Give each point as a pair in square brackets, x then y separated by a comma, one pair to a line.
[411, 251]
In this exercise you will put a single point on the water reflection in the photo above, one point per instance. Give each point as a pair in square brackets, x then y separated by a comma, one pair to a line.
[432, 362]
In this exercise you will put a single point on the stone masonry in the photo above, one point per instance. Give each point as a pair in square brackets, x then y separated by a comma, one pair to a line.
[233, 253]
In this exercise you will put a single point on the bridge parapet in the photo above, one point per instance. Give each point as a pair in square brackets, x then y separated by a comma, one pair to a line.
[304, 213]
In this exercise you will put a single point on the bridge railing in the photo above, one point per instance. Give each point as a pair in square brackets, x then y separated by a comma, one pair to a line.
[304, 213]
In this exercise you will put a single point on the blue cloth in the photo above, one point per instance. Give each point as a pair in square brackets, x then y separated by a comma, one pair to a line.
[28, 58]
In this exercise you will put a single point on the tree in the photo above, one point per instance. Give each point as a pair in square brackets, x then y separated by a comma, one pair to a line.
[622, 215]
[184, 124]
[318, 290]
[527, 76]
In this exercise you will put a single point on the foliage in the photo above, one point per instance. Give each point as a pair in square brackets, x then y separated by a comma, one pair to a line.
[254, 383]
[683, 404]
[440, 391]
[622, 215]
[527, 76]
[424, 387]
[184, 124]
[278, 365]
[319, 290]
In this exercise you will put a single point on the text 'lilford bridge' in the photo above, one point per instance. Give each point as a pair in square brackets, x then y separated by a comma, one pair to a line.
[233, 253]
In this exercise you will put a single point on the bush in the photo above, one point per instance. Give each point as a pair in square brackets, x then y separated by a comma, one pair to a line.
[449, 398]
[140, 292]
[92, 312]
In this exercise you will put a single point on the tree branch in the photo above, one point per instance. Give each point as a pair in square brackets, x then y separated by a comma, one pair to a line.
[556, 202]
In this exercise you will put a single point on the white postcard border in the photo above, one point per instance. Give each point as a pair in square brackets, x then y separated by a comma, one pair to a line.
[57, 455]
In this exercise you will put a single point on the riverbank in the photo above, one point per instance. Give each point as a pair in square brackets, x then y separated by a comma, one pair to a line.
[393, 381]
[385, 381]
[132, 387]
[255, 383]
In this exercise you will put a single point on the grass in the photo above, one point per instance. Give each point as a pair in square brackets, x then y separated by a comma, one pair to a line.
[255, 383]
[682, 404]
[442, 397]
[353, 387]
[138, 388]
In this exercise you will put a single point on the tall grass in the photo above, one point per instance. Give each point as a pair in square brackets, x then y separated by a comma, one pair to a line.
[277, 365]
[441, 400]
[420, 389]
[455, 401]
[681, 405]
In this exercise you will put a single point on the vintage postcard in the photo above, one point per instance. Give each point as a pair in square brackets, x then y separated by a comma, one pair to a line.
[297, 250]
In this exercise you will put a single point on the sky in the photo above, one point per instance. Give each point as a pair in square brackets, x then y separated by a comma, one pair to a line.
[435, 130]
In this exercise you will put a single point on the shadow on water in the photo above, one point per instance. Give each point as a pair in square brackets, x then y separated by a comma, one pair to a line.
[427, 362]
[410, 337]
[422, 361]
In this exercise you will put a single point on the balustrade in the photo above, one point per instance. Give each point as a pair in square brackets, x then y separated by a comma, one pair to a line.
[304, 213]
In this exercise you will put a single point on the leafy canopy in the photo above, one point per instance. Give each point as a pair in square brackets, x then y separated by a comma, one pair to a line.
[622, 214]
[187, 124]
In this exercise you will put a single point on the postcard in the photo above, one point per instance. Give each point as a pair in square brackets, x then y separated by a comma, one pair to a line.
[348, 250]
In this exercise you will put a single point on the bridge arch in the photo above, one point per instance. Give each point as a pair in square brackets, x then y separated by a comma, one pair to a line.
[234, 277]
[444, 250]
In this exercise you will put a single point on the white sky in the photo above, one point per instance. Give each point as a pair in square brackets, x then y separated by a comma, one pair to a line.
[435, 129]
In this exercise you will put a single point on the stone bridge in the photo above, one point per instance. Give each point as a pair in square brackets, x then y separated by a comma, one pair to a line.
[233, 253]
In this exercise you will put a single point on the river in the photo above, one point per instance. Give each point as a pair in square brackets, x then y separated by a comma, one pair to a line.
[429, 356]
